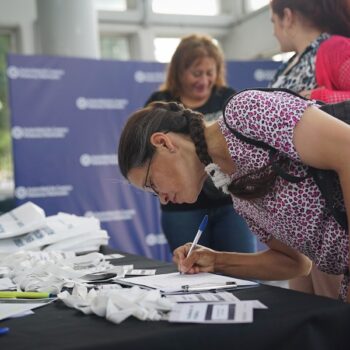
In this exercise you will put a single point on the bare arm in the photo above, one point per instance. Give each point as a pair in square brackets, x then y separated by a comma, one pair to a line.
[277, 263]
[324, 142]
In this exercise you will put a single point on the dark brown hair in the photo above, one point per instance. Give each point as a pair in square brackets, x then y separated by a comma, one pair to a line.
[255, 184]
[190, 49]
[331, 16]
[135, 147]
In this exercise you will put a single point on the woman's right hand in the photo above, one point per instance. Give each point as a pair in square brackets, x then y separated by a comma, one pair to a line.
[201, 259]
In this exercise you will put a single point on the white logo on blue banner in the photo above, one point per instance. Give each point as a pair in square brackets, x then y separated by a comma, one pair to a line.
[19, 132]
[149, 77]
[264, 74]
[101, 103]
[98, 159]
[15, 72]
[28, 193]
[112, 215]
[155, 239]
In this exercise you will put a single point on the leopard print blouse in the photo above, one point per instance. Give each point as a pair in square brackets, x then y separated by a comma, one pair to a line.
[293, 213]
[302, 75]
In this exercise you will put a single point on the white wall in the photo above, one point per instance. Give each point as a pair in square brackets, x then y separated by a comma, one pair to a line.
[251, 38]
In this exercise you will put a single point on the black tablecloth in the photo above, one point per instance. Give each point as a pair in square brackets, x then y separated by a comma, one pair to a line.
[293, 321]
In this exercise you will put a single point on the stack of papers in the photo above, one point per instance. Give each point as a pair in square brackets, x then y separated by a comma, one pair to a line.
[221, 307]
[27, 228]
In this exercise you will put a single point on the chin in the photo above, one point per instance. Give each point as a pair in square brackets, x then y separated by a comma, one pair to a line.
[192, 199]
[201, 96]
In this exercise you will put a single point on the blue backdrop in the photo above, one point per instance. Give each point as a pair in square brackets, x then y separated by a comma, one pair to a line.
[67, 115]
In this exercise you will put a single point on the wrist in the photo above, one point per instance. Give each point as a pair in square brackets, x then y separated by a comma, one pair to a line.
[222, 261]
[215, 261]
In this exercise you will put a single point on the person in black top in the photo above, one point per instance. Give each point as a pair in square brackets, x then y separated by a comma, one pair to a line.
[196, 79]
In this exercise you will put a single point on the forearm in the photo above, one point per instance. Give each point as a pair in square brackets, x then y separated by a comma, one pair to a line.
[266, 265]
[277, 263]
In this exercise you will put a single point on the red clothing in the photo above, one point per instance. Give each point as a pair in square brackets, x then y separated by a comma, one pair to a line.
[333, 70]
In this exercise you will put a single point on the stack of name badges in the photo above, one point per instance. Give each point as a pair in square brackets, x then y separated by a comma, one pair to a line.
[27, 228]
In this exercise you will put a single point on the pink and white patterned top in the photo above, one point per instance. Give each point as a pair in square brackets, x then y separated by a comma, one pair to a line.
[293, 213]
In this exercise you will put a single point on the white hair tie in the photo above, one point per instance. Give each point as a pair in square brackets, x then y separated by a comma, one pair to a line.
[220, 179]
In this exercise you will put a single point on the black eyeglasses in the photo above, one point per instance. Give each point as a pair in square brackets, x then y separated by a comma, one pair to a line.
[150, 188]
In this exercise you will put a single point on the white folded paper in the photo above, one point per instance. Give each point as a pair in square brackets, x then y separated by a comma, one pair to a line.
[118, 304]
[51, 271]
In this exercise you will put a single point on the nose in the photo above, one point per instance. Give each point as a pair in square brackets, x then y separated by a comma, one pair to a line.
[163, 198]
[204, 79]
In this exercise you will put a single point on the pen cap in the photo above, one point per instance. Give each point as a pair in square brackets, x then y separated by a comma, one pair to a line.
[4, 330]
[203, 224]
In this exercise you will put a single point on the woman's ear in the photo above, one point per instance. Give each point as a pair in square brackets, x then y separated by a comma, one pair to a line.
[288, 17]
[162, 140]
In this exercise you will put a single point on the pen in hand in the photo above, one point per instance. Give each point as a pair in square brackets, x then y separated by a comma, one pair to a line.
[201, 228]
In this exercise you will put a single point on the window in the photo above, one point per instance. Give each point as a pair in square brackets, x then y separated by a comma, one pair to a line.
[187, 7]
[114, 47]
[164, 48]
[253, 5]
[111, 5]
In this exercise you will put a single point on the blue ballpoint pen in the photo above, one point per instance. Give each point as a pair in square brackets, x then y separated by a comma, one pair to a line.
[201, 228]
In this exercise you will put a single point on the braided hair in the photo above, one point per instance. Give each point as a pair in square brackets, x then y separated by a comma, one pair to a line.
[135, 147]
[259, 182]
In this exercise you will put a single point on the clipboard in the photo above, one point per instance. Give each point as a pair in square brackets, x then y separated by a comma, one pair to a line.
[172, 283]
[208, 287]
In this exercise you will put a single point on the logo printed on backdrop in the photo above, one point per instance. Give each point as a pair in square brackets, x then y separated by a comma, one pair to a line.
[19, 132]
[155, 239]
[98, 159]
[14, 72]
[149, 77]
[101, 103]
[264, 74]
[22, 192]
[112, 215]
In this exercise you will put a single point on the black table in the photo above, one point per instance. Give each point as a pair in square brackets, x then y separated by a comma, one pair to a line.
[293, 321]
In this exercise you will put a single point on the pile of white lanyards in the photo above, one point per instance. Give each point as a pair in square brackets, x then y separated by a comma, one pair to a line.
[52, 271]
